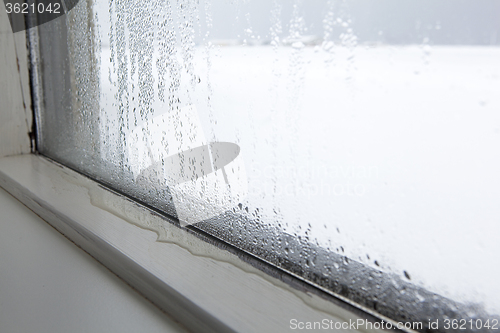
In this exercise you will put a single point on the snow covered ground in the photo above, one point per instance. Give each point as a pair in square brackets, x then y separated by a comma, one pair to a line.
[392, 153]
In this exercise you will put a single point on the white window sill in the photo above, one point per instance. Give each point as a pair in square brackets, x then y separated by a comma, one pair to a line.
[48, 285]
[202, 285]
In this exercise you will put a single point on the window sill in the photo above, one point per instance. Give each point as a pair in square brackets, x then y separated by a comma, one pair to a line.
[204, 286]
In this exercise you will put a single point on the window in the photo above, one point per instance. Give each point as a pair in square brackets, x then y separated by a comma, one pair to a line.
[350, 143]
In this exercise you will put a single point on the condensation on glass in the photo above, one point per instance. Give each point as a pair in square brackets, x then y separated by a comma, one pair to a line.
[353, 143]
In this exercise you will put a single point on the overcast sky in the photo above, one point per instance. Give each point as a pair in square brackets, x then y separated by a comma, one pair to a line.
[387, 21]
[466, 22]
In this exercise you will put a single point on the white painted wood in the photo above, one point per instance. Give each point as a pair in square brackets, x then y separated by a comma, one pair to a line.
[15, 105]
[201, 285]
[48, 285]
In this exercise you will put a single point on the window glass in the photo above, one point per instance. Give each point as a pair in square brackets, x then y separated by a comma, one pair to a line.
[352, 143]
